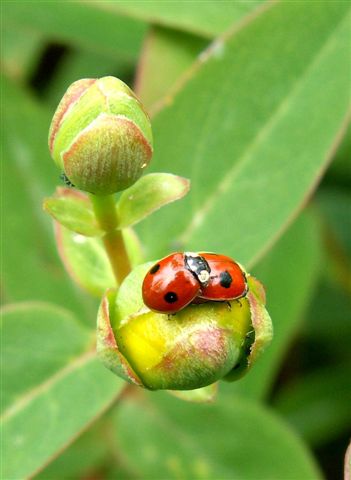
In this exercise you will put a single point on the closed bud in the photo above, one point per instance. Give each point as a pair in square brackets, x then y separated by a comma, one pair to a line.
[191, 349]
[100, 136]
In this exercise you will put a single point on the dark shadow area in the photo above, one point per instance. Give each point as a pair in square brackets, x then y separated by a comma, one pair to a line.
[51, 58]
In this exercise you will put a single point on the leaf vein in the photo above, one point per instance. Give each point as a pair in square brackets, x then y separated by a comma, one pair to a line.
[199, 216]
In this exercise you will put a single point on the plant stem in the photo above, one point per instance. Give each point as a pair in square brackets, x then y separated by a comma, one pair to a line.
[105, 212]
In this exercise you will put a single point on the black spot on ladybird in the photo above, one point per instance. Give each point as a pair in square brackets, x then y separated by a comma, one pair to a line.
[225, 279]
[171, 297]
[154, 269]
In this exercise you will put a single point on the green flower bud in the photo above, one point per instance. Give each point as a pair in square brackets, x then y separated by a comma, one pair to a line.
[195, 347]
[100, 135]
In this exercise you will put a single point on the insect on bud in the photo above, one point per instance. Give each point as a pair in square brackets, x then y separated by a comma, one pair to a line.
[193, 348]
[100, 136]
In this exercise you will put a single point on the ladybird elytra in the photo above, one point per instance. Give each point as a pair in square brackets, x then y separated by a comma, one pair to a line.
[183, 278]
[228, 280]
[169, 286]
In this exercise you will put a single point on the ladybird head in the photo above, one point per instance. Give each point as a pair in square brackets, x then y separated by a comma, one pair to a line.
[198, 266]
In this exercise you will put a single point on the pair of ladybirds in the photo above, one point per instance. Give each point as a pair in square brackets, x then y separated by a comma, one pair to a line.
[183, 278]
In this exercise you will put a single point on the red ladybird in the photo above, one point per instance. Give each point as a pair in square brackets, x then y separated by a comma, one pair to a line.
[181, 278]
[227, 279]
[169, 286]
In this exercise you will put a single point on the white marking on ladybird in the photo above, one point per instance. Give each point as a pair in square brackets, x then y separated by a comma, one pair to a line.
[191, 254]
[204, 277]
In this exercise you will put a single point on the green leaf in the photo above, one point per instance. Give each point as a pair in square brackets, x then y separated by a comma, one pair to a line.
[73, 210]
[46, 325]
[148, 194]
[240, 128]
[289, 273]
[90, 452]
[81, 25]
[53, 382]
[227, 440]
[169, 53]
[86, 260]
[203, 18]
[27, 235]
[20, 52]
[318, 405]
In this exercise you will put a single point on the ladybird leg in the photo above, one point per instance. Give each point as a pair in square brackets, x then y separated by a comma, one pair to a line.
[65, 180]
[239, 302]
[229, 305]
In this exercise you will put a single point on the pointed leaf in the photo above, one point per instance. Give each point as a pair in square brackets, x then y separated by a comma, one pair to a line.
[243, 127]
[73, 210]
[232, 440]
[86, 260]
[148, 194]
[54, 385]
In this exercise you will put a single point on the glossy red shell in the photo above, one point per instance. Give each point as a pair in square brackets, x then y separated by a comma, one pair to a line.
[227, 279]
[169, 286]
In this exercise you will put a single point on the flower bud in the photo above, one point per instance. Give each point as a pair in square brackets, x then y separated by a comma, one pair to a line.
[100, 135]
[188, 350]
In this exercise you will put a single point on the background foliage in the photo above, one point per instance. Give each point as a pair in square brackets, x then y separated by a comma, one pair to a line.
[251, 101]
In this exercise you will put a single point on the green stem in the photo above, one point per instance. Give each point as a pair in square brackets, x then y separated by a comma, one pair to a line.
[105, 212]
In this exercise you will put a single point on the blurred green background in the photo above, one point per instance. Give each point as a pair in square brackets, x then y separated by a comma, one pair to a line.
[251, 101]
